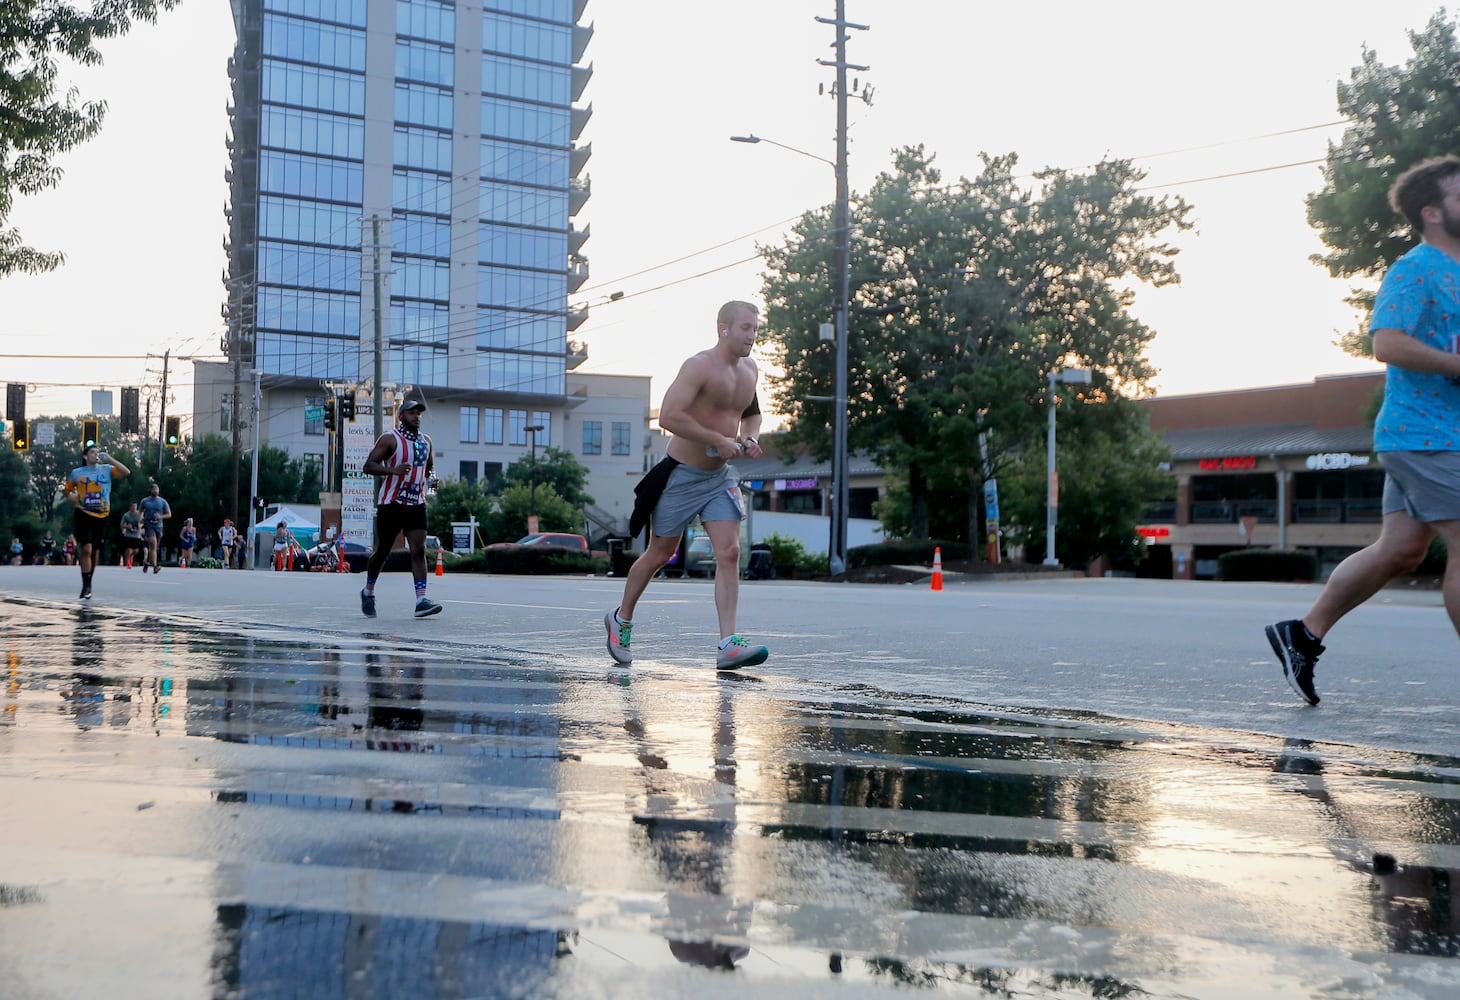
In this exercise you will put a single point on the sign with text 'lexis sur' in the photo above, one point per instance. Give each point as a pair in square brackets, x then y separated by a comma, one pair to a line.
[1231, 463]
[357, 490]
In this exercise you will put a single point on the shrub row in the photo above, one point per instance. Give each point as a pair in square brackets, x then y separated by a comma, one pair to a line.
[1267, 564]
[910, 551]
[529, 562]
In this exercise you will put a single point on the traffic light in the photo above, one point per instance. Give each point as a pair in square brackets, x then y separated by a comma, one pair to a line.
[347, 405]
[172, 437]
[330, 423]
[20, 435]
[15, 401]
[131, 421]
[90, 431]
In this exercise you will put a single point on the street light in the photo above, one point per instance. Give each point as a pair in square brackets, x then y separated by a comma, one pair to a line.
[534, 430]
[1069, 376]
[840, 294]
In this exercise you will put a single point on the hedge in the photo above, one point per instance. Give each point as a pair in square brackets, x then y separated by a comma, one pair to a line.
[529, 562]
[1267, 564]
[910, 551]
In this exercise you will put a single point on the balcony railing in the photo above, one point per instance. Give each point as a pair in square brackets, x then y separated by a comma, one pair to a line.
[1302, 511]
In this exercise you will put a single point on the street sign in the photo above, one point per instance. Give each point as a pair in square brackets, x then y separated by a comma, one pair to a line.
[45, 435]
[314, 412]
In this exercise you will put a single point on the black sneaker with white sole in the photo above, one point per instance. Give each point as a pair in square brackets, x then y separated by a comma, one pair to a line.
[1298, 654]
[367, 604]
[425, 608]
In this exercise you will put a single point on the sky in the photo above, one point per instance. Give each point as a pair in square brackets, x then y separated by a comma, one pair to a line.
[1216, 102]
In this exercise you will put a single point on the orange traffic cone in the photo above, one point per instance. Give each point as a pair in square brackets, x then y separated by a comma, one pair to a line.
[440, 566]
[937, 569]
[340, 560]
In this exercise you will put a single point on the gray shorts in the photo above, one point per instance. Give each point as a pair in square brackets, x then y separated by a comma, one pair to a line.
[1423, 484]
[709, 494]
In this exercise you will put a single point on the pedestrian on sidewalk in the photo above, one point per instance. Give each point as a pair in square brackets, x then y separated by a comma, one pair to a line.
[90, 485]
[712, 410]
[1415, 328]
[402, 460]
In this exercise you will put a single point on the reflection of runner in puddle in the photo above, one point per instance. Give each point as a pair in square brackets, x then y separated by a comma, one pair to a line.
[86, 697]
[1414, 903]
[691, 829]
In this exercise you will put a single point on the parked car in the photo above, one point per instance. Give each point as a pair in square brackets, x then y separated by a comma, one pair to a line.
[545, 540]
[699, 557]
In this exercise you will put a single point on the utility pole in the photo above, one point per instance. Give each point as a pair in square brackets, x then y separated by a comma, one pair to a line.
[841, 294]
[253, 483]
[378, 389]
[162, 420]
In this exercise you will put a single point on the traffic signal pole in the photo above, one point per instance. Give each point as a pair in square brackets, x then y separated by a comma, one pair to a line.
[162, 422]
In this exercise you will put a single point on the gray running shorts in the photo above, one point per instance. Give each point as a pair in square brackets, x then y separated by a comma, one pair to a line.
[709, 494]
[1423, 484]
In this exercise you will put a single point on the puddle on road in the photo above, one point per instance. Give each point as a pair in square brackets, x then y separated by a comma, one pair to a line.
[439, 822]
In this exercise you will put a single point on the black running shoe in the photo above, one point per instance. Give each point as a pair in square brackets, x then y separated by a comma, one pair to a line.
[367, 604]
[86, 593]
[425, 608]
[1288, 642]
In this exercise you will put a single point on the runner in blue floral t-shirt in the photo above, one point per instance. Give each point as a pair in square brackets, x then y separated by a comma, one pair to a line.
[1416, 331]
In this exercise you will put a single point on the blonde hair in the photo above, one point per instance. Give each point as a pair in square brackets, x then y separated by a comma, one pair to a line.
[729, 310]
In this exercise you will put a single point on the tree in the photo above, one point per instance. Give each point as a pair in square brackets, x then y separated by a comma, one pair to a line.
[509, 522]
[965, 296]
[36, 126]
[556, 468]
[1109, 471]
[1399, 115]
[459, 500]
[17, 513]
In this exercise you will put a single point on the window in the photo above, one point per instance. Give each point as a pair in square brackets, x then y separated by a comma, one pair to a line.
[593, 437]
[492, 433]
[492, 473]
[468, 472]
[315, 425]
[517, 427]
[314, 468]
[621, 431]
[470, 427]
[543, 419]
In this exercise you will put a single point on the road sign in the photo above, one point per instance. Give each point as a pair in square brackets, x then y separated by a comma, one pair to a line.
[45, 435]
[314, 412]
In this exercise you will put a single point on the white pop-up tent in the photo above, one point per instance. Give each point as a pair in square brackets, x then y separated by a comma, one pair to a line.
[304, 530]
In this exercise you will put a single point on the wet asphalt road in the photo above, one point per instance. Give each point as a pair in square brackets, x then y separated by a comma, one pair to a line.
[230, 784]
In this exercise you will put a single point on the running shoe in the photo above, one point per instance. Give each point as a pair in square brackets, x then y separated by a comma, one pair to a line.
[740, 653]
[1298, 654]
[367, 604]
[619, 635]
[85, 593]
[426, 607]
[156, 568]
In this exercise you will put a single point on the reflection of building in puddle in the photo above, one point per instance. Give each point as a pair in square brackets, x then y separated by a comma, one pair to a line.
[1414, 903]
[278, 951]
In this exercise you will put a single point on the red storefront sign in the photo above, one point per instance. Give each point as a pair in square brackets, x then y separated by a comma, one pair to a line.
[1228, 464]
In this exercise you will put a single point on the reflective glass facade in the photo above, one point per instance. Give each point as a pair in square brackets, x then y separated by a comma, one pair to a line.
[475, 227]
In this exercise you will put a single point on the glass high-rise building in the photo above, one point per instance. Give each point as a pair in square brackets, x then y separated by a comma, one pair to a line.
[431, 140]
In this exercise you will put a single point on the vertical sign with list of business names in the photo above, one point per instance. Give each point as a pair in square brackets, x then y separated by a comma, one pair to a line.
[357, 490]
